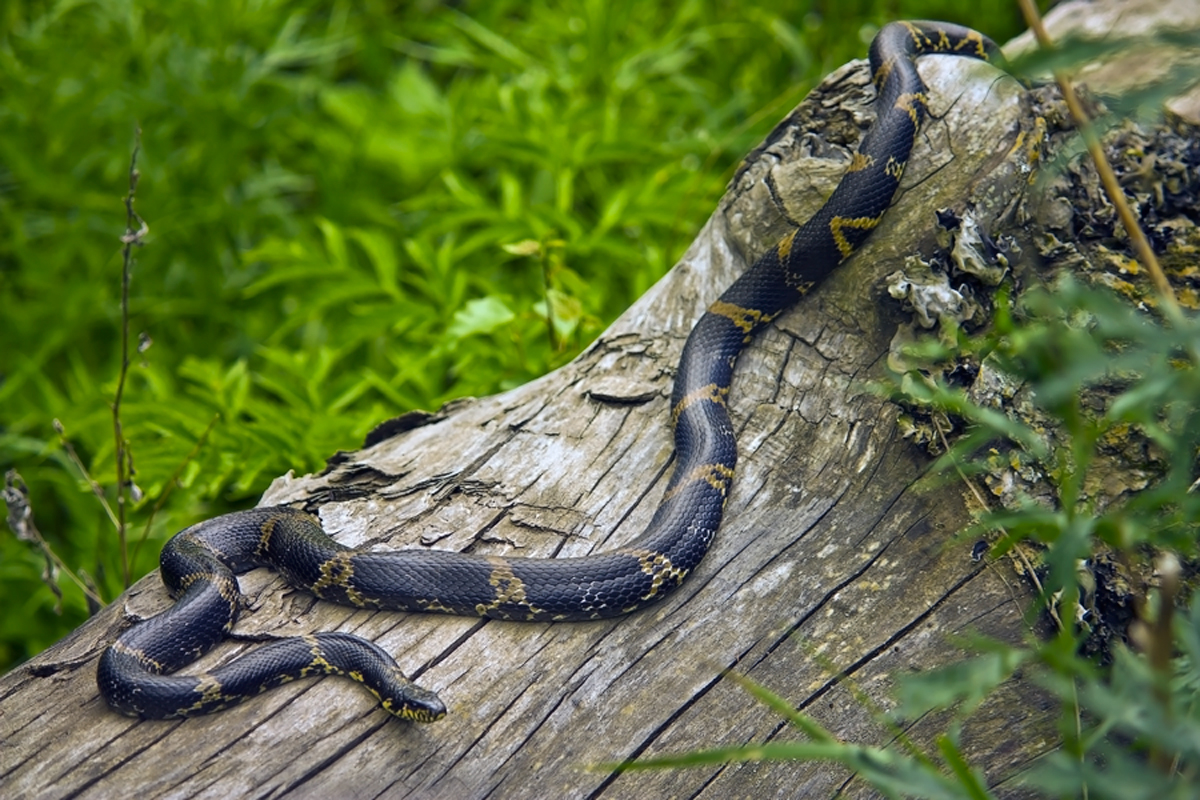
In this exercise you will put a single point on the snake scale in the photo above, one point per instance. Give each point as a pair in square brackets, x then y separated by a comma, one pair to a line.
[198, 564]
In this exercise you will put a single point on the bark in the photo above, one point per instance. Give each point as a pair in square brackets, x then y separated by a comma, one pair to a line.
[839, 565]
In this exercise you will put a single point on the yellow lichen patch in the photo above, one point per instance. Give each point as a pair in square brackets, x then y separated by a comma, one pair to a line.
[718, 476]
[1124, 287]
[709, 393]
[1121, 262]
[1188, 298]
[839, 224]
[338, 571]
[1017, 144]
[1036, 141]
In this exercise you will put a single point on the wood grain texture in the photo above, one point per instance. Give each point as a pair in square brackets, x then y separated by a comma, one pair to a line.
[834, 556]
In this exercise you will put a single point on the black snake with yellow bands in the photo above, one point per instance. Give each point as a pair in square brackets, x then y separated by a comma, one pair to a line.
[199, 564]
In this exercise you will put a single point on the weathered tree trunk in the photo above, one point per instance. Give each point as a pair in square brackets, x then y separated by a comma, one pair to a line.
[835, 570]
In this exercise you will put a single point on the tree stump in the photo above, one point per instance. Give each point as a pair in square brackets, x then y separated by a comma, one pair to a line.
[837, 567]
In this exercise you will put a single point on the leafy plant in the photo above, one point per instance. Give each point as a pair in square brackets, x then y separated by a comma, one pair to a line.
[1100, 369]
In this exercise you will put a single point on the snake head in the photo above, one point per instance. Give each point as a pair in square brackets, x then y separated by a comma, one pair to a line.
[413, 703]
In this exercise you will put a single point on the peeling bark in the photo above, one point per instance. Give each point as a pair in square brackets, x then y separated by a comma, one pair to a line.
[837, 567]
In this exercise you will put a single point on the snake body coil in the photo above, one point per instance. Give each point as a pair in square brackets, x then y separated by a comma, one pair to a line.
[199, 563]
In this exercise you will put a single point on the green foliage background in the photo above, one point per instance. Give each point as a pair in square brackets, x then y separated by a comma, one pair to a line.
[355, 209]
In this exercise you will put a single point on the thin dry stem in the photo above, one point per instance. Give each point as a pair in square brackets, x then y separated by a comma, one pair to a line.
[1108, 178]
[135, 231]
[96, 488]
[20, 519]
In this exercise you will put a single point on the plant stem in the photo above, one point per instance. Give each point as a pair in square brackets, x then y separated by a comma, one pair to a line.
[135, 231]
[1107, 177]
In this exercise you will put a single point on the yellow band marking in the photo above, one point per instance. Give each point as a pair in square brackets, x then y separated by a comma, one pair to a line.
[976, 39]
[186, 581]
[860, 162]
[918, 36]
[148, 663]
[908, 102]
[264, 537]
[718, 476]
[838, 224]
[709, 393]
[881, 74]
[660, 569]
[435, 606]
[784, 248]
[338, 571]
[797, 282]
[319, 664]
[508, 588]
[211, 695]
[744, 318]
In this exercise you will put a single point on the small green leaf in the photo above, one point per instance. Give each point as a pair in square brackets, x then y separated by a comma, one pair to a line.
[782, 707]
[525, 247]
[482, 315]
[968, 682]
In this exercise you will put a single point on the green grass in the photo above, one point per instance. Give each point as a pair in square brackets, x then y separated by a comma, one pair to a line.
[355, 209]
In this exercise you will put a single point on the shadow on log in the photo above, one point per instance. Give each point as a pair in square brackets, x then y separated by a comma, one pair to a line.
[837, 567]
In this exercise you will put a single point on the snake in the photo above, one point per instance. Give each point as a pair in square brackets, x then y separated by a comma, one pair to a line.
[198, 565]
